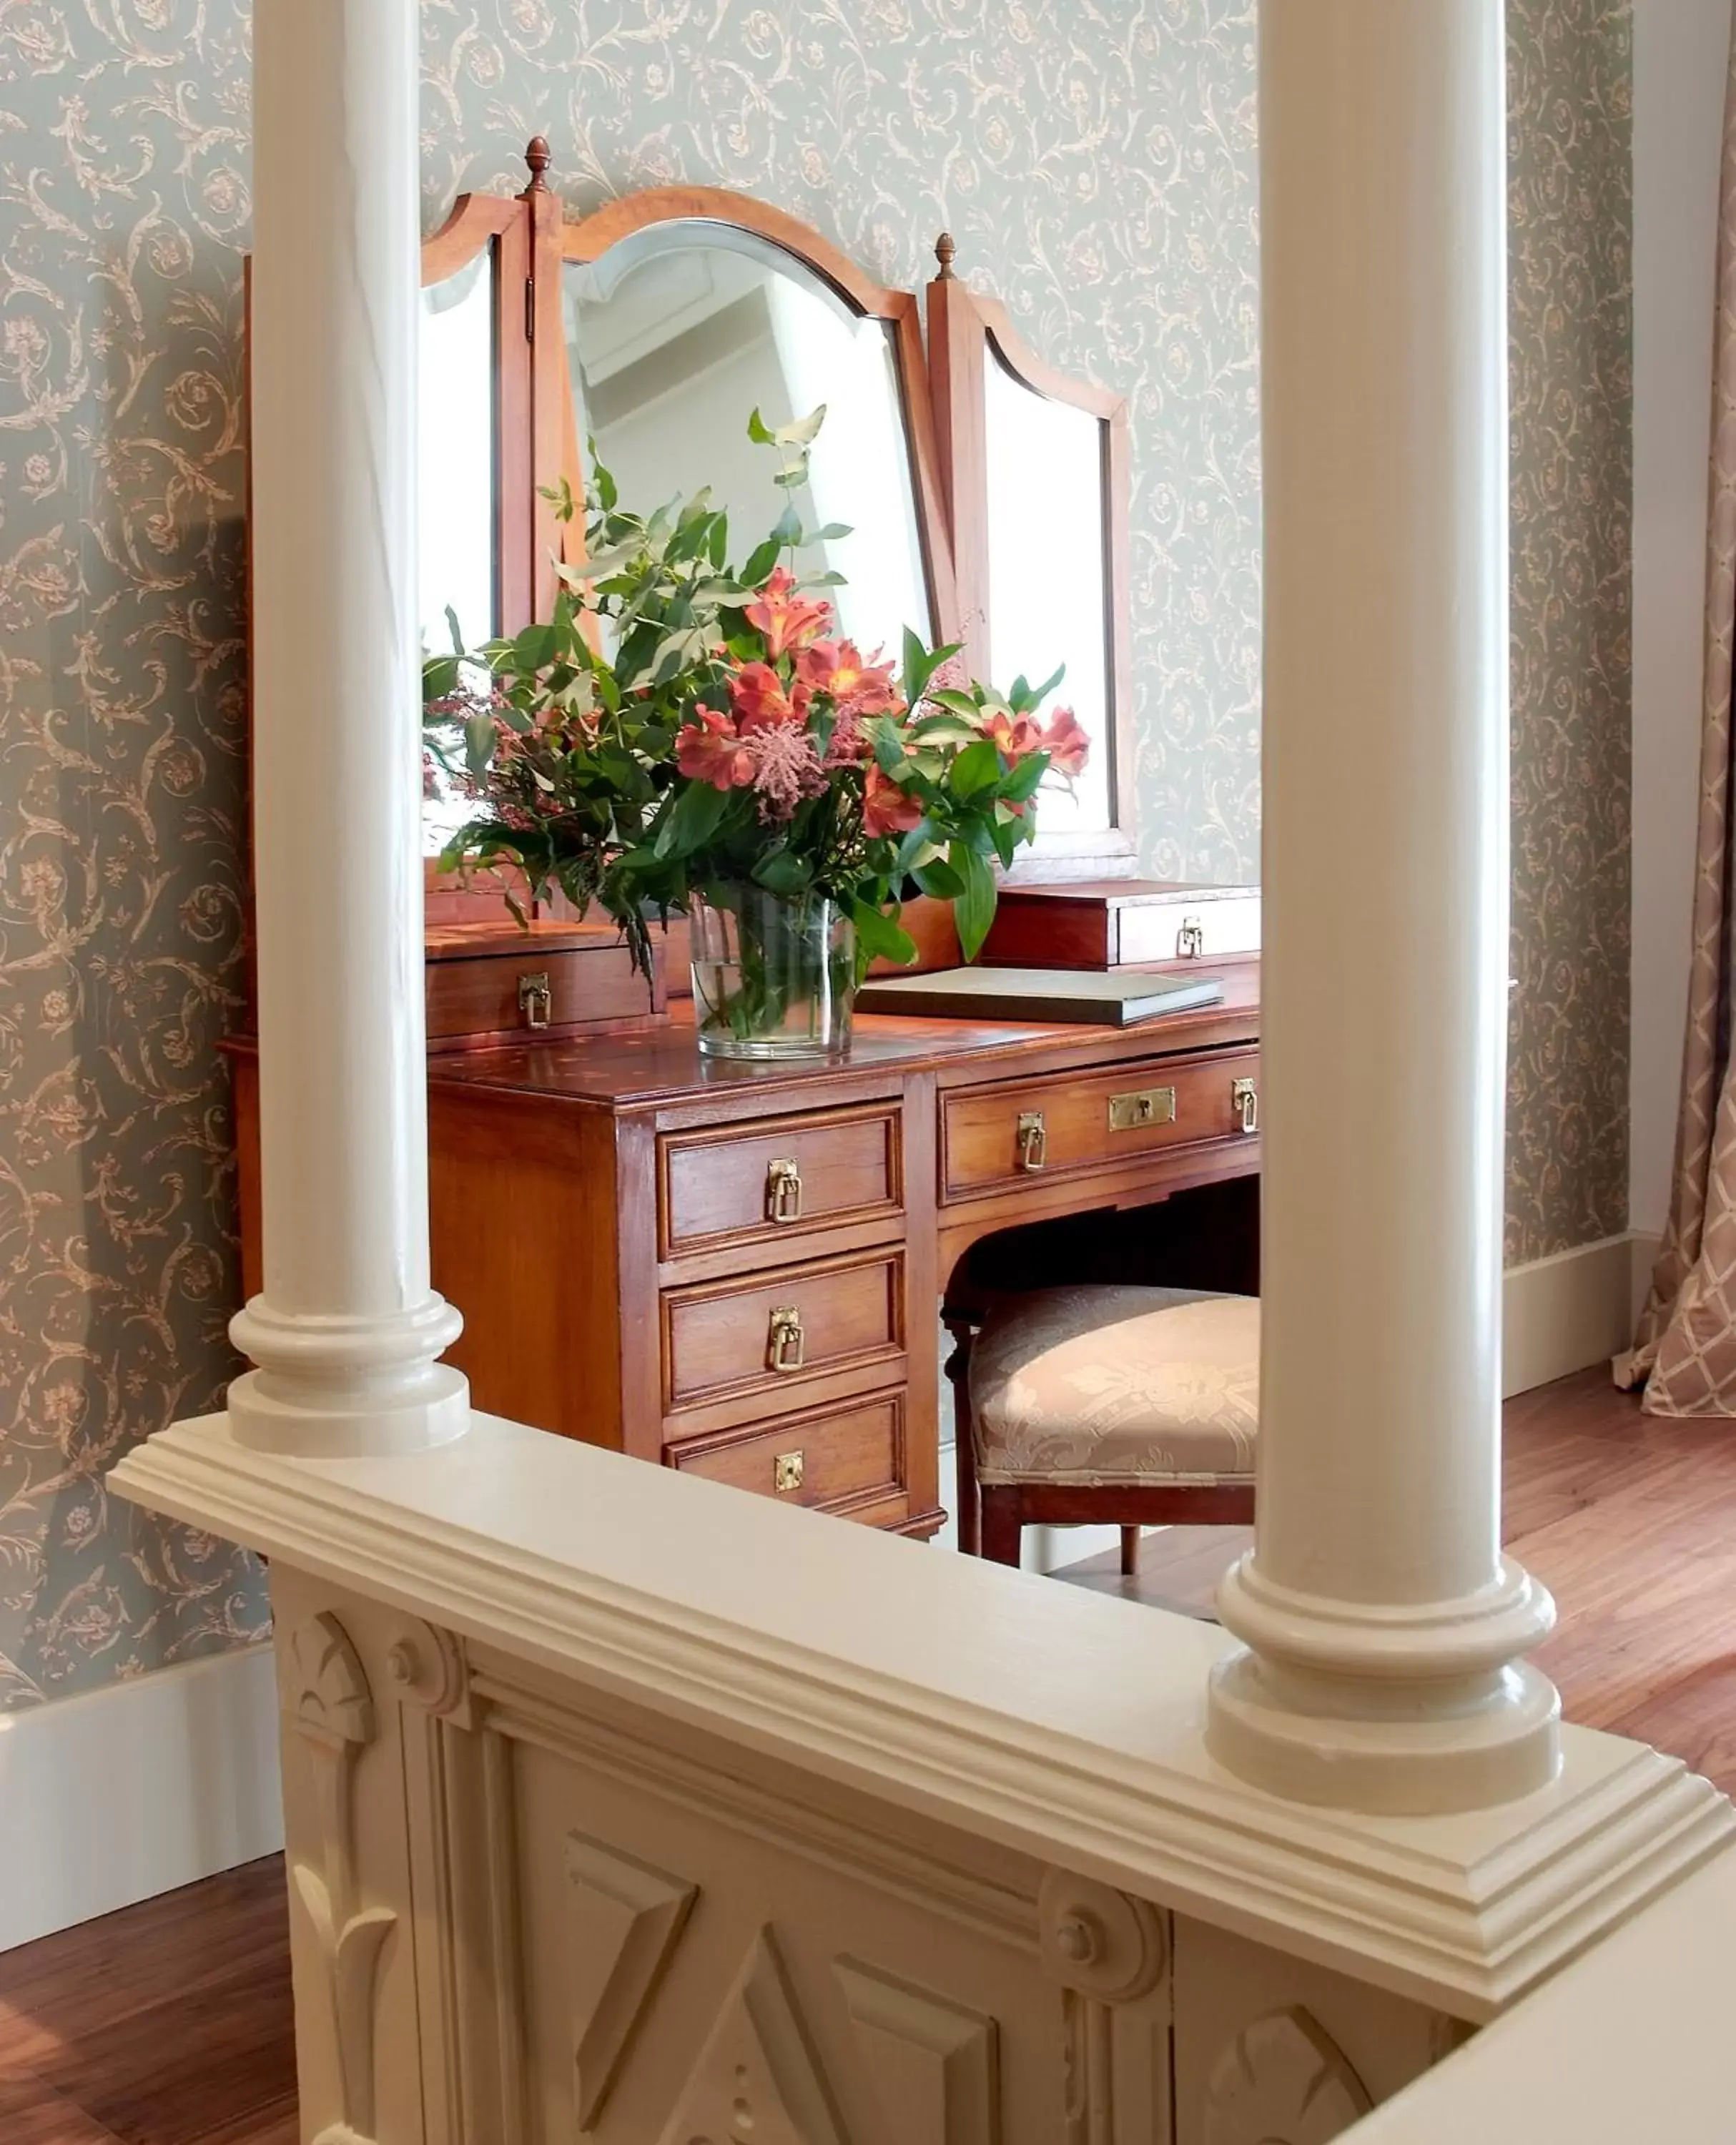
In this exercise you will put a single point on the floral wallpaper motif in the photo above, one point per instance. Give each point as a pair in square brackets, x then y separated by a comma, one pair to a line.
[123, 207]
[1097, 164]
[1571, 186]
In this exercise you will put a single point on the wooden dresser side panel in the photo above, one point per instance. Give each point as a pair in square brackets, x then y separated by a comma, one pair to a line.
[524, 1230]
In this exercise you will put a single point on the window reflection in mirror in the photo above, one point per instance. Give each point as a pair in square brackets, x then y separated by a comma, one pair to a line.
[457, 529]
[1048, 595]
[679, 334]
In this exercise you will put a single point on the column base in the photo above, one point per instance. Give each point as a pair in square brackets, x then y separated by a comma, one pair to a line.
[1426, 1753]
[330, 1388]
[1424, 1710]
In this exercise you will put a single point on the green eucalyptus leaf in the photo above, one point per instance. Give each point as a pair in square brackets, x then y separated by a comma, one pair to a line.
[760, 562]
[479, 735]
[784, 871]
[977, 768]
[939, 881]
[1026, 777]
[974, 909]
[880, 936]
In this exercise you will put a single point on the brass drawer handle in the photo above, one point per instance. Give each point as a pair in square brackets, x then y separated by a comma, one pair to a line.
[1149, 1106]
[783, 1192]
[1244, 1097]
[787, 1349]
[789, 1471]
[1033, 1142]
[1191, 939]
[536, 1001]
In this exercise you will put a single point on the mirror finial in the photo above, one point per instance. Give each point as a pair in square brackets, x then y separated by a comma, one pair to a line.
[945, 252]
[538, 156]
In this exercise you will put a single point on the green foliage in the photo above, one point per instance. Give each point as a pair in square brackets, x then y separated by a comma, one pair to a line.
[569, 736]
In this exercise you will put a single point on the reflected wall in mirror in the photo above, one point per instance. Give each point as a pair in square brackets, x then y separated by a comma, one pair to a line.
[1036, 471]
[476, 447]
[688, 309]
[459, 521]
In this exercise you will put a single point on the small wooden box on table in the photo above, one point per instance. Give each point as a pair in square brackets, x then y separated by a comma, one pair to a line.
[735, 1270]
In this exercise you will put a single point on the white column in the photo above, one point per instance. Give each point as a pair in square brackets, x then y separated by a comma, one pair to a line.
[1384, 1624]
[347, 1332]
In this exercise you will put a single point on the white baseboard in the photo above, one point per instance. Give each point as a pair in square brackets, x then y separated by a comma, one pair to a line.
[137, 1790]
[1565, 1313]
[1646, 1243]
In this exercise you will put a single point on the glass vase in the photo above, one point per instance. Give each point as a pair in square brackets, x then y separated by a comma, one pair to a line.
[775, 975]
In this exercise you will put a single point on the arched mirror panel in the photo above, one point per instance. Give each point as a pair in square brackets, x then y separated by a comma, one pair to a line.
[687, 311]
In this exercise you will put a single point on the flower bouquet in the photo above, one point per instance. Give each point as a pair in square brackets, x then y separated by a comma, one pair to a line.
[684, 736]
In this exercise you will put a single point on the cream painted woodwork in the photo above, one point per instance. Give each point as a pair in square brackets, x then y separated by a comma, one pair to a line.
[1384, 1631]
[347, 1329]
[523, 1912]
[1631, 2046]
[585, 1816]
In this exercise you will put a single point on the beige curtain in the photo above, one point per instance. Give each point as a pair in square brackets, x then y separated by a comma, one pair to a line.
[1685, 1351]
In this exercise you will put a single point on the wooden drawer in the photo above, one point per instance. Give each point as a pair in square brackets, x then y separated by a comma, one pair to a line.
[834, 1459]
[490, 983]
[764, 1335]
[733, 1184]
[998, 1139]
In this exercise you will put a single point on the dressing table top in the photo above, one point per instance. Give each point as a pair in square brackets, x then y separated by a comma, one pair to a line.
[639, 1063]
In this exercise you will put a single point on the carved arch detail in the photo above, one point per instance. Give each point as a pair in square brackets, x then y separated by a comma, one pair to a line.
[331, 1708]
[1283, 2081]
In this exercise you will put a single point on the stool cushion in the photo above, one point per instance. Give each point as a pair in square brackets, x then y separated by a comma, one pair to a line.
[1097, 1386]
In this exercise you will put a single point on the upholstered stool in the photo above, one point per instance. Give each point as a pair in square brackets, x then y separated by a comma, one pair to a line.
[1126, 1406]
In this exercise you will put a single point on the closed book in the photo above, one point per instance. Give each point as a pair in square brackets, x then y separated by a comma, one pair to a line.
[1122, 924]
[1040, 994]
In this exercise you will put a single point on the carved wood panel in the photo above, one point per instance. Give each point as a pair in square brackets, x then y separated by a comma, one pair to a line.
[330, 1709]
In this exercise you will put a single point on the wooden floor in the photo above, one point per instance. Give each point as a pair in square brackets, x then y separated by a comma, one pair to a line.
[1628, 1521]
[169, 2025]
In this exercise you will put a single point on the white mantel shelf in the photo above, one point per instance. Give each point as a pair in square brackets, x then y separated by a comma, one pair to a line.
[1060, 1722]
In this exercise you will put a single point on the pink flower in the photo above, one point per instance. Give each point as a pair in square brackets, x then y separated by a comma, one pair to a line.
[1067, 743]
[1016, 735]
[757, 694]
[786, 768]
[788, 619]
[709, 750]
[837, 667]
[886, 808]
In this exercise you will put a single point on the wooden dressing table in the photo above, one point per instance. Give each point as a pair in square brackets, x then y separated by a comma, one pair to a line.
[735, 1269]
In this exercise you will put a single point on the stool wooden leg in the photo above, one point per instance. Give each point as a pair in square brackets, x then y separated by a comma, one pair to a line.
[1003, 1526]
[958, 1369]
[1131, 1540]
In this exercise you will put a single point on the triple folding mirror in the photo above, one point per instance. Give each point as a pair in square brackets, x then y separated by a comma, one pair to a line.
[641, 338]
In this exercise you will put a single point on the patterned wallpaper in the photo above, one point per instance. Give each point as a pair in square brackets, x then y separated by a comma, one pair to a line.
[123, 202]
[1570, 77]
[1096, 165]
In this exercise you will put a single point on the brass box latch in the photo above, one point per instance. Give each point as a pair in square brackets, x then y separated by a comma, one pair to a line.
[1149, 1106]
[1191, 939]
[787, 1348]
[789, 1471]
[536, 1000]
[1245, 1100]
[783, 1192]
[1034, 1141]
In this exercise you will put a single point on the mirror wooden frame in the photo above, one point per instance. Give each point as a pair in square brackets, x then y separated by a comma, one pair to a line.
[967, 332]
[587, 241]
